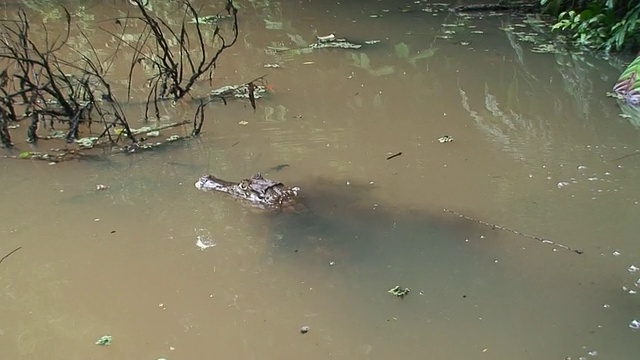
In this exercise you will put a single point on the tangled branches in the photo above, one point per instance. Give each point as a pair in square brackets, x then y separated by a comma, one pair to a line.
[47, 87]
[47, 81]
[177, 70]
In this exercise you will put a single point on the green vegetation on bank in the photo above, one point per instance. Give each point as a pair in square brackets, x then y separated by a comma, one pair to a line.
[609, 25]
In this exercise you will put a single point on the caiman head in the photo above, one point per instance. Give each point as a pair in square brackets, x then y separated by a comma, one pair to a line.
[257, 191]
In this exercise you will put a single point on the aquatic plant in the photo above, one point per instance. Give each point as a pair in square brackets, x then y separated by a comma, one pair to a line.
[609, 25]
[627, 87]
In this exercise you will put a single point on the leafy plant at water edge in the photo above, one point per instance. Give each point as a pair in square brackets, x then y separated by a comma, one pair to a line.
[627, 87]
[599, 24]
[625, 28]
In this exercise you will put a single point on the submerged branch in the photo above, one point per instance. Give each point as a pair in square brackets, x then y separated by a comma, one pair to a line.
[494, 226]
[521, 6]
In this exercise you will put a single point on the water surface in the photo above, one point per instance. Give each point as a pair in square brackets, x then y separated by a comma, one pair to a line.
[535, 146]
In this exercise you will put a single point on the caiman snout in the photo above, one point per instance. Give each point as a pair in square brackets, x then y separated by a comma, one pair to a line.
[210, 183]
[258, 191]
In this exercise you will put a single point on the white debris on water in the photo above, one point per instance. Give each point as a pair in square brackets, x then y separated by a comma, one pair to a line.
[634, 324]
[204, 243]
[562, 184]
[204, 240]
[633, 268]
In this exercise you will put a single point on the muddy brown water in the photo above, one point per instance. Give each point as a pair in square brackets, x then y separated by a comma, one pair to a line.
[535, 143]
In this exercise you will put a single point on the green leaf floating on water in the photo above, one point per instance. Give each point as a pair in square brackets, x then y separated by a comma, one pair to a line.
[273, 25]
[57, 134]
[402, 50]
[298, 40]
[277, 114]
[399, 291]
[383, 71]
[105, 340]
[362, 61]
[24, 155]
[424, 54]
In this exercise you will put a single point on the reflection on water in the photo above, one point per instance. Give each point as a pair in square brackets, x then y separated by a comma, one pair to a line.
[173, 272]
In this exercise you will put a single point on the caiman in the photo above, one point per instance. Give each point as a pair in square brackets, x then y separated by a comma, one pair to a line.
[257, 191]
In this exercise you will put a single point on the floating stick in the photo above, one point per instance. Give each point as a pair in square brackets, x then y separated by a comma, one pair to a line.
[394, 155]
[494, 226]
[9, 254]
[626, 156]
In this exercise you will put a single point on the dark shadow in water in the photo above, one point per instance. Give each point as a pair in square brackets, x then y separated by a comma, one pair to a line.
[348, 222]
[453, 266]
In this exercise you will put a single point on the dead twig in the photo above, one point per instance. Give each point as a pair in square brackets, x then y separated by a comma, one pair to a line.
[252, 97]
[52, 86]
[626, 156]
[197, 125]
[394, 155]
[9, 254]
[178, 70]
